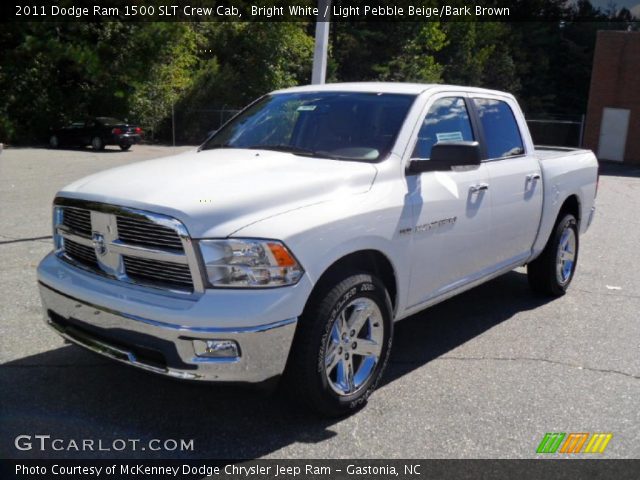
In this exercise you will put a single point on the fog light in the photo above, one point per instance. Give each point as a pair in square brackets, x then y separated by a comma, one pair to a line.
[216, 348]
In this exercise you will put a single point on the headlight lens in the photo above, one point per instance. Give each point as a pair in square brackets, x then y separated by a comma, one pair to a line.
[249, 263]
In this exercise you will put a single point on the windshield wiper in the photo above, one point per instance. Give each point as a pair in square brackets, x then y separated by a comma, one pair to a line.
[282, 147]
[331, 156]
[217, 145]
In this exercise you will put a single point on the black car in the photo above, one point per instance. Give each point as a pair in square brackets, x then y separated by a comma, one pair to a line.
[97, 132]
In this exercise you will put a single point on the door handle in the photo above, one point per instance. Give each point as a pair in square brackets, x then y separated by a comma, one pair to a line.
[532, 177]
[479, 187]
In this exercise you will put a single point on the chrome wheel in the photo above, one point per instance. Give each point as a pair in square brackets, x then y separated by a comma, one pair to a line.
[566, 256]
[354, 346]
[96, 143]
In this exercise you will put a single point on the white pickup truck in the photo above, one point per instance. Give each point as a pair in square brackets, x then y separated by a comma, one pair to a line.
[291, 241]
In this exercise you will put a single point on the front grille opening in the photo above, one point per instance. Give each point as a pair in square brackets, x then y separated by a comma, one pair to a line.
[138, 231]
[78, 220]
[155, 272]
[81, 254]
[146, 355]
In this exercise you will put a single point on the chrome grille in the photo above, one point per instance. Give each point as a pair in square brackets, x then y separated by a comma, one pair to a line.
[142, 232]
[155, 271]
[78, 220]
[126, 244]
[81, 253]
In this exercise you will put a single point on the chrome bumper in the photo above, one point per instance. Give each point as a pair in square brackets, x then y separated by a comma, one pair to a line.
[168, 349]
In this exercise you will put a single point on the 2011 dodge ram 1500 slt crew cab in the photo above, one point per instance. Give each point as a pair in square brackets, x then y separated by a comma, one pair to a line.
[297, 234]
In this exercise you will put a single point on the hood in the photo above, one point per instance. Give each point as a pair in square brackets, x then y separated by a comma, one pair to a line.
[217, 192]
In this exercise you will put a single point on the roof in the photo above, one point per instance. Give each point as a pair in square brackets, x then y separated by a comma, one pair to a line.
[384, 87]
[373, 87]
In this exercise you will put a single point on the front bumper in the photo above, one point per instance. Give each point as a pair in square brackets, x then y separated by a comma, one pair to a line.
[167, 348]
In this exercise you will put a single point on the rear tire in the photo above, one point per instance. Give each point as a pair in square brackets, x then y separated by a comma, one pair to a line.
[551, 273]
[125, 146]
[97, 143]
[342, 346]
[54, 142]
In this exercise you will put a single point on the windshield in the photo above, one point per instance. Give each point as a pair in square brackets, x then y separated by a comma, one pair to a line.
[340, 125]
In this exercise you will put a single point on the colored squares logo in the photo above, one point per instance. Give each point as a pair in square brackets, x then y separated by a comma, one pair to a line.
[598, 443]
[550, 443]
[574, 443]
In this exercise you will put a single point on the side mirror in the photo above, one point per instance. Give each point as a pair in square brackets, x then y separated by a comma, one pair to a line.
[445, 155]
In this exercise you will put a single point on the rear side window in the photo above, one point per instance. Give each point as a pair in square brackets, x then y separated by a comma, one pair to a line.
[501, 131]
[446, 121]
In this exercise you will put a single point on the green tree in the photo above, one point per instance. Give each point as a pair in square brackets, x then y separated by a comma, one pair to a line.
[168, 78]
[239, 62]
[478, 54]
[416, 60]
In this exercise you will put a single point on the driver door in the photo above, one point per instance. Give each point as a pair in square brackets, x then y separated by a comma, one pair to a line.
[451, 209]
[88, 131]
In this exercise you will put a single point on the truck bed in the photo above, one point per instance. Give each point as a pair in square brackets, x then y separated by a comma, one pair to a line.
[545, 152]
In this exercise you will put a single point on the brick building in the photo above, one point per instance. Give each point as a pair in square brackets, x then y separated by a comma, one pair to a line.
[612, 127]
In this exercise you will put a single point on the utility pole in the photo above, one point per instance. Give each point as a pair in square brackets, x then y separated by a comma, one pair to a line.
[173, 121]
[322, 43]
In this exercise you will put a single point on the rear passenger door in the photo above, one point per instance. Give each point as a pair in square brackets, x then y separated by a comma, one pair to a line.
[514, 179]
[73, 132]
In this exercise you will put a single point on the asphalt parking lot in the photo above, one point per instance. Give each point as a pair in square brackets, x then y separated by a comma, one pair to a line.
[485, 374]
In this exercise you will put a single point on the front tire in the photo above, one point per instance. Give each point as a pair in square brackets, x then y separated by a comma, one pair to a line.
[342, 345]
[552, 272]
[97, 143]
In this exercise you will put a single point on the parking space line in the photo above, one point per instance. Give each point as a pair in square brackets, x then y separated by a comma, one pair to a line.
[20, 240]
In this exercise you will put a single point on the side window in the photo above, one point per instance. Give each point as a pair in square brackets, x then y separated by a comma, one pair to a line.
[501, 131]
[446, 121]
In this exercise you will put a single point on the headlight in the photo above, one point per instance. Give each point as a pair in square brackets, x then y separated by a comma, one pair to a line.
[249, 263]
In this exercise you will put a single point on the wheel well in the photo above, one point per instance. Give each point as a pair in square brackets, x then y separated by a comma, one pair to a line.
[571, 205]
[370, 261]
